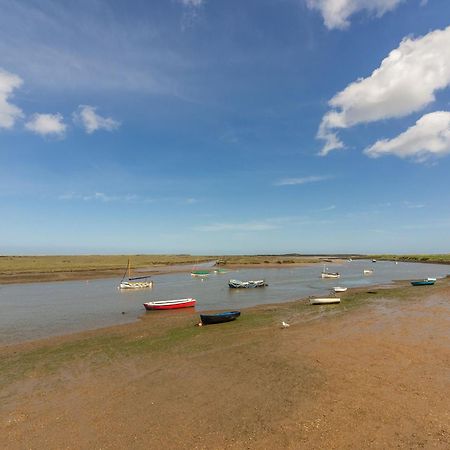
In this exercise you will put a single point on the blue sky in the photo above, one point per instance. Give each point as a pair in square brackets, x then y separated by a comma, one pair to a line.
[223, 126]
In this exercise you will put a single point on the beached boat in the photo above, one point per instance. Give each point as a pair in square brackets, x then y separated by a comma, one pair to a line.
[170, 304]
[237, 284]
[200, 273]
[368, 271]
[339, 289]
[374, 260]
[324, 301]
[426, 282]
[431, 279]
[209, 319]
[132, 282]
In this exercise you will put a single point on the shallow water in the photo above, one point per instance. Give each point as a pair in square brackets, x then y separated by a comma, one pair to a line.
[38, 310]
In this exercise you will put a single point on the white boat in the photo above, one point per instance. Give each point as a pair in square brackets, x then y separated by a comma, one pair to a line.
[324, 301]
[431, 279]
[246, 284]
[330, 275]
[368, 271]
[131, 283]
[339, 289]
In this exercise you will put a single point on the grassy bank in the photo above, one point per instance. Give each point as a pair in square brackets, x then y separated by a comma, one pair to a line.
[443, 258]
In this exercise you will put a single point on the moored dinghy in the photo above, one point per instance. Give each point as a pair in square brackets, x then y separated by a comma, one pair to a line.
[324, 301]
[236, 284]
[170, 304]
[209, 319]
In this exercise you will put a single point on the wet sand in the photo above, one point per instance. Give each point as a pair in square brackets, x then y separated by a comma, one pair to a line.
[373, 372]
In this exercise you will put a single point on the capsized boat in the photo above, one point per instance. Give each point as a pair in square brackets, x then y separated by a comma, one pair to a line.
[236, 284]
[339, 289]
[426, 282]
[324, 301]
[132, 283]
[170, 304]
[209, 319]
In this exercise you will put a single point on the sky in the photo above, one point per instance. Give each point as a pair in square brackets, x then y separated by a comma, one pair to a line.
[224, 126]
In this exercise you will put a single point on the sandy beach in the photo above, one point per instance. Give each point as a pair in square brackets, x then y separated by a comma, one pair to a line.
[372, 372]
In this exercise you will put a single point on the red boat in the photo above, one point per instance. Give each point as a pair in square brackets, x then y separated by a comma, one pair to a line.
[170, 304]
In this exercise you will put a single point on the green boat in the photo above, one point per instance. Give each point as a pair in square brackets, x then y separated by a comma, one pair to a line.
[423, 282]
[199, 273]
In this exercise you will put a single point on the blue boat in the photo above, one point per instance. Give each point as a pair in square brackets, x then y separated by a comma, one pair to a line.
[208, 319]
[423, 282]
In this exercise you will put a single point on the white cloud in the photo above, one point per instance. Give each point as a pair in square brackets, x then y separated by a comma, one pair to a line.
[193, 3]
[337, 12]
[91, 121]
[100, 196]
[9, 113]
[429, 136]
[47, 125]
[405, 82]
[246, 226]
[302, 180]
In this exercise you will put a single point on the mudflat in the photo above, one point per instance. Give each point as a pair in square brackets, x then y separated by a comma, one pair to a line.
[372, 372]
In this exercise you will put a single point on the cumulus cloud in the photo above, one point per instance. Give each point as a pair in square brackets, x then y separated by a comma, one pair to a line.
[91, 121]
[405, 82]
[337, 12]
[47, 125]
[302, 180]
[429, 136]
[9, 113]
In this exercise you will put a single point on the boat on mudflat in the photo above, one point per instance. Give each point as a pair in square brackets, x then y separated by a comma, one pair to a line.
[339, 289]
[170, 304]
[426, 282]
[324, 301]
[236, 284]
[209, 319]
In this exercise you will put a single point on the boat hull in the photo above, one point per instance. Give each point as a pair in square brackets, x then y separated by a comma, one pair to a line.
[135, 285]
[236, 284]
[339, 289]
[423, 283]
[324, 301]
[170, 304]
[210, 319]
[330, 275]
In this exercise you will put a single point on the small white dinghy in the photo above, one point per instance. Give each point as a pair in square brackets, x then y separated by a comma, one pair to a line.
[324, 301]
[368, 271]
[339, 289]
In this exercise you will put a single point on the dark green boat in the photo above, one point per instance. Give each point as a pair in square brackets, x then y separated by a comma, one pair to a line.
[423, 282]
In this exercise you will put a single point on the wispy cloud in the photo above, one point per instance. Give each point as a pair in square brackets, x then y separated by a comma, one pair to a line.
[301, 180]
[414, 205]
[47, 125]
[9, 113]
[102, 197]
[91, 121]
[244, 226]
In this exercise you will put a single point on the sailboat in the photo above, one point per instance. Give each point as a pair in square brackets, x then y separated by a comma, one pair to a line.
[131, 283]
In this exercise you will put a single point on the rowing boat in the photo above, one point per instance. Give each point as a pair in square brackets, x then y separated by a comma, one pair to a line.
[209, 319]
[170, 304]
[324, 301]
